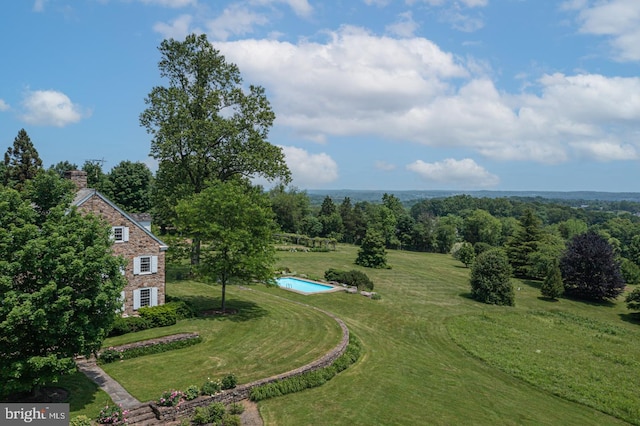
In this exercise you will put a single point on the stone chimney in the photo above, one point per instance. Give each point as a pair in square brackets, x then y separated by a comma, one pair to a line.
[78, 177]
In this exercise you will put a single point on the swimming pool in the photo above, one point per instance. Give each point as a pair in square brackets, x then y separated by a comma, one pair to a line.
[303, 286]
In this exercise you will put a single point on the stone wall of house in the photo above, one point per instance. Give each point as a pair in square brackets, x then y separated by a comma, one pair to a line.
[139, 244]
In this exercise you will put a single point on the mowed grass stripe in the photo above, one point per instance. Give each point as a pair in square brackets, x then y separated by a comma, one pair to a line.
[412, 372]
[281, 336]
[601, 365]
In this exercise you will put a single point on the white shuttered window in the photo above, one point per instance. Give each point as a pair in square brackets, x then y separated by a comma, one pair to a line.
[147, 296]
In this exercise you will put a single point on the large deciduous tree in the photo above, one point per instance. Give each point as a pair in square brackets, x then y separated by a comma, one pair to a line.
[590, 269]
[235, 224]
[21, 161]
[131, 186]
[205, 126]
[59, 286]
[491, 278]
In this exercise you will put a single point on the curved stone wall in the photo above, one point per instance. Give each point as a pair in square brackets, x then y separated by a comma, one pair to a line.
[242, 391]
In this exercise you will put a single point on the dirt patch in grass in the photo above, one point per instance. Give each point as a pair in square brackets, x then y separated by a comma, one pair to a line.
[218, 312]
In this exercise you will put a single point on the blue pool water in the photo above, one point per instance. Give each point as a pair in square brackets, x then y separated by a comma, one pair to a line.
[302, 285]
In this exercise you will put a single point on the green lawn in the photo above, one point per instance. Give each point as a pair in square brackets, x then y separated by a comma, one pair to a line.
[413, 372]
[270, 335]
[431, 355]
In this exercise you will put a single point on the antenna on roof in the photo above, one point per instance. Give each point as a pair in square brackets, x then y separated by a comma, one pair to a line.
[97, 162]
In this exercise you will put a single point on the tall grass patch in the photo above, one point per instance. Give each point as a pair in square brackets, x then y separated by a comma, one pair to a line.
[585, 360]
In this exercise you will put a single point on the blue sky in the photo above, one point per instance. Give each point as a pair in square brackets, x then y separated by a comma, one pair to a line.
[368, 94]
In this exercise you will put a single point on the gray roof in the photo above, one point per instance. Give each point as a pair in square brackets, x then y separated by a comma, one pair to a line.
[84, 194]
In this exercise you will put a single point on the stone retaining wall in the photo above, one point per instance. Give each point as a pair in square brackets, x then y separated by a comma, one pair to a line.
[152, 342]
[241, 392]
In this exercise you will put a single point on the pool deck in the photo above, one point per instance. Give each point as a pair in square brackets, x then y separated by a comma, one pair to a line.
[334, 288]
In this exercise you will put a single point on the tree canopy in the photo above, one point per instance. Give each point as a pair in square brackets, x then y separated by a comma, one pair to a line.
[21, 161]
[491, 278]
[59, 285]
[372, 253]
[131, 186]
[235, 225]
[204, 125]
[590, 269]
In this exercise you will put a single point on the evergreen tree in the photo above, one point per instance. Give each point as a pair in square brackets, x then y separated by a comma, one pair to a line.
[524, 243]
[552, 286]
[21, 162]
[372, 253]
[491, 278]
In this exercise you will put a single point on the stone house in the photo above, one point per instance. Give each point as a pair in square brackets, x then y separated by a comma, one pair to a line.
[133, 240]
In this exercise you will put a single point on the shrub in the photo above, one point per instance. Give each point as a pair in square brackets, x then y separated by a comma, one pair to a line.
[214, 413]
[491, 278]
[229, 381]
[159, 316]
[465, 254]
[231, 420]
[109, 355]
[170, 398]
[128, 325]
[309, 379]
[236, 408]
[633, 300]
[211, 388]
[192, 392]
[183, 310]
[80, 421]
[112, 415]
[353, 278]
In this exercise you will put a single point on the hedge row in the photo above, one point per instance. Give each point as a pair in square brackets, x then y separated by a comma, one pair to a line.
[310, 379]
[151, 317]
[353, 278]
[111, 355]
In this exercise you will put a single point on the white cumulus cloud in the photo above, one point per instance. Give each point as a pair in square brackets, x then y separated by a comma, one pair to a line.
[175, 4]
[347, 86]
[50, 108]
[310, 170]
[178, 29]
[234, 20]
[299, 7]
[385, 166]
[617, 19]
[3, 105]
[464, 173]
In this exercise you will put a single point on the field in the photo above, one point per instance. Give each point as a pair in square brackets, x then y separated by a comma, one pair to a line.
[431, 354]
[413, 372]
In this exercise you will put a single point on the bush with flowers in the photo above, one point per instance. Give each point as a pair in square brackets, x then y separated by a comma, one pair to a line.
[171, 398]
[112, 415]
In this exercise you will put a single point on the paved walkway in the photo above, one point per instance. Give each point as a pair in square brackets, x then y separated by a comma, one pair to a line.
[117, 393]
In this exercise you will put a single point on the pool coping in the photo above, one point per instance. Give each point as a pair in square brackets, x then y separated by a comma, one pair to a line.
[334, 288]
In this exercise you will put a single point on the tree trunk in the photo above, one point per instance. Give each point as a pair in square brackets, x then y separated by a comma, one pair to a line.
[195, 251]
[224, 292]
